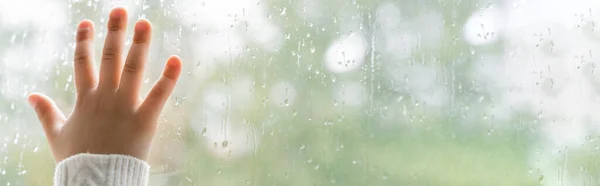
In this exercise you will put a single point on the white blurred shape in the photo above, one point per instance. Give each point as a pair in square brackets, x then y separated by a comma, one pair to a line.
[218, 47]
[218, 14]
[216, 99]
[388, 16]
[312, 10]
[218, 126]
[267, 34]
[44, 14]
[17, 63]
[395, 41]
[216, 24]
[423, 82]
[484, 27]
[129, 5]
[546, 57]
[346, 53]
[429, 25]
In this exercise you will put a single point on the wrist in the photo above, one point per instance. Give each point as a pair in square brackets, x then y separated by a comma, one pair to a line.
[114, 169]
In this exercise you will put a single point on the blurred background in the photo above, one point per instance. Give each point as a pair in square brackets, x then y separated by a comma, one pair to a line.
[333, 92]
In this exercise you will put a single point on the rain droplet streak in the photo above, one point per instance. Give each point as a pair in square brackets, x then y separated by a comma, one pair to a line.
[16, 140]
[204, 131]
[283, 11]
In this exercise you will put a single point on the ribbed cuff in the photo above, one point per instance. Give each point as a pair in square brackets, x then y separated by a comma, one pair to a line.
[96, 169]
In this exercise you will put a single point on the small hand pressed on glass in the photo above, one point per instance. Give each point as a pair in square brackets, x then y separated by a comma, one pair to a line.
[109, 116]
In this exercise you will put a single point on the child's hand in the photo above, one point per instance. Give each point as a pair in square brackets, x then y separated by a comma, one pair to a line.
[109, 117]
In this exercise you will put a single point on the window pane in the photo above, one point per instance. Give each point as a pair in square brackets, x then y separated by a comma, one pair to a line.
[332, 92]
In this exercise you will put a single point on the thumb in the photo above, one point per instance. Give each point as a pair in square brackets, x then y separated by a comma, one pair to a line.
[48, 114]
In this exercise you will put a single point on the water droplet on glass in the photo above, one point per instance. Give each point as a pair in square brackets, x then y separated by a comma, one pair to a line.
[179, 100]
[204, 131]
[16, 140]
[13, 38]
[225, 144]
[283, 11]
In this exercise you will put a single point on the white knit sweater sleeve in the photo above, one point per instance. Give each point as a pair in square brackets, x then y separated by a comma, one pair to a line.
[101, 170]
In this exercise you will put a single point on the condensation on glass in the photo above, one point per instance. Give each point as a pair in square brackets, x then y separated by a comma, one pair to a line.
[333, 92]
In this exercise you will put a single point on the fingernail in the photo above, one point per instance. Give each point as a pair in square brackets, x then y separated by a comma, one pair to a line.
[142, 25]
[84, 26]
[174, 62]
[117, 13]
[32, 102]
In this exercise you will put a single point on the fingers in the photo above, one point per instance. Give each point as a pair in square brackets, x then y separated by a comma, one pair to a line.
[159, 94]
[48, 114]
[110, 68]
[131, 77]
[85, 77]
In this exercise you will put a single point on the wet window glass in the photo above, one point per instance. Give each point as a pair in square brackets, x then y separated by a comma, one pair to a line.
[332, 92]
